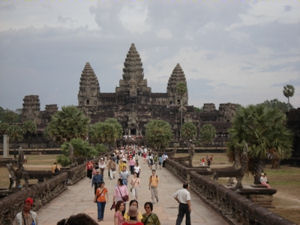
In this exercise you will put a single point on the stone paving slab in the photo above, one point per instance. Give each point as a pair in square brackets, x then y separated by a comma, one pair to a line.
[79, 198]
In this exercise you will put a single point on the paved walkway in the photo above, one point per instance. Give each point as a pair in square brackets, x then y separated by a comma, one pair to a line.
[79, 198]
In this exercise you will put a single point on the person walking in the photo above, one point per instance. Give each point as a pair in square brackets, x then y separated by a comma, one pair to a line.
[101, 197]
[124, 175]
[183, 197]
[150, 218]
[102, 166]
[137, 169]
[26, 216]
[118, 217]
[89, 169]
[121, 192]
[153, 185]
[97, 179]
[135, 183]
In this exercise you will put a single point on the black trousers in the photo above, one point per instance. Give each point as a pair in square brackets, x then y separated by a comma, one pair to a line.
[183, 209]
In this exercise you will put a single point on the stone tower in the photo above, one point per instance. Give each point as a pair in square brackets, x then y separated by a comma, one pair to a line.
[177, 77]
[31, 108]
[89, 90]
[133, 82]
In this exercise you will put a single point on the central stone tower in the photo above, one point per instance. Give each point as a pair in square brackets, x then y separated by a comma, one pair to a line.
[133, 82]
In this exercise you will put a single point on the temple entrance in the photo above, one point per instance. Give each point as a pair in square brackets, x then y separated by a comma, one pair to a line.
[133, 131]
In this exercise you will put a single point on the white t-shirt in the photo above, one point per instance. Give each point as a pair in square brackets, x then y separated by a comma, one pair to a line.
[183, 195]
[137, 169]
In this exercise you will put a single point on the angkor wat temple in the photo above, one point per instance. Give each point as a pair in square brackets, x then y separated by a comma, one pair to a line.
[133, 103]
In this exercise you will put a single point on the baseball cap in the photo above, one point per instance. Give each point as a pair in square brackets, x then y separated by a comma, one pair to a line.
[29, 200]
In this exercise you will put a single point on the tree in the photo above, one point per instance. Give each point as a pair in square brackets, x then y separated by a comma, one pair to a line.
[263, 130]
[275, 103]
[3, 128]
[107, 132]
[288, 91]
[188, 133]
[9, 116]
[207, 133]
[181, 91]
[158, 134]
[29, 129]
[15, 133]
[81, 151]
[67, 124]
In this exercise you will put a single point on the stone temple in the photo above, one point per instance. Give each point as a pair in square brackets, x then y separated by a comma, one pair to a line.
[133, 103]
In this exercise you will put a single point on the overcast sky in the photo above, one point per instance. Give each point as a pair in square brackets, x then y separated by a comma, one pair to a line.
[234, 51]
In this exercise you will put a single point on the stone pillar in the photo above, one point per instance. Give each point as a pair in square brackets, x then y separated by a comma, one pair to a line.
[5, 146]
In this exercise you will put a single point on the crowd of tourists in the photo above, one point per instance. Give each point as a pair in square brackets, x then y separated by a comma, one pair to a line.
[123, 166]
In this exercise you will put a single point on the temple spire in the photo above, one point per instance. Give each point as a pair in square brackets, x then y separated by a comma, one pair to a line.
[89, 90]
[133, 74]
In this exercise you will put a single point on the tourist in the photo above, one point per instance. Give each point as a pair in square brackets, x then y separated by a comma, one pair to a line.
[136, 204]
[150, 218]
[160, 161]
[264, 180]
[133, 214]
[124, 175]
[55, 169]
[164, 158]
[111, 166]
[11, 181]
[97, 179]
[202, 161]
[26, 216]
[135, 183]
[89, 169]
[131, 164]
[79, 219]
[118, 217]
[155, 161]
[101, 198]
[153, 185]
[183, 197]
[121, 192]
[122, 164]
[137, 169]
[102, 166]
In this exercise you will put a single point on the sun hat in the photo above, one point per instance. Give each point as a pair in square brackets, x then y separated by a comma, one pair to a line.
[29, 200]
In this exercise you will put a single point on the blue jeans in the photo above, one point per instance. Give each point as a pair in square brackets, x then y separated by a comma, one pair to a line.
[101, 207]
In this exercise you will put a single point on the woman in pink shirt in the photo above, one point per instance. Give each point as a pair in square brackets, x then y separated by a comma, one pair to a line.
[131, 164]
[119, 218]
[121, 192]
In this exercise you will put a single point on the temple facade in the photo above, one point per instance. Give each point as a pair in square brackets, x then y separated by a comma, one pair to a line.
[133, 103]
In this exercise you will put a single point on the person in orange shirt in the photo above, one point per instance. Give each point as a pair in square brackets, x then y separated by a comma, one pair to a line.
[153, 184]
[100, 198]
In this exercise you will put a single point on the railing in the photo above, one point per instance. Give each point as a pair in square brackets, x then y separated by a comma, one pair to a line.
[234, 208]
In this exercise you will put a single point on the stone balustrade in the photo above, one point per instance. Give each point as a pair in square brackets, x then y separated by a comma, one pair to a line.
[235, 208]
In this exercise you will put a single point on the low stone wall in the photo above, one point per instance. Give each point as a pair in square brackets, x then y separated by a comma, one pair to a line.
[235, 208]
[75, 174]
[42, 193]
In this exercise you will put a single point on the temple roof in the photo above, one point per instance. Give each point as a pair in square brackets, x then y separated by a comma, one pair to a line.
[88, 77]
[176, 77]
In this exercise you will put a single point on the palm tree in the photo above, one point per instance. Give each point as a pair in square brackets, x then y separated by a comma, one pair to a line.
[263, 130]
[29, 129]
[288, 91]
[67, 124]
[207, 133]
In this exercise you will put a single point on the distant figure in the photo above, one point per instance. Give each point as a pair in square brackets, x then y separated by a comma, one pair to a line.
[55, 169]
[97, 180]
[79, 219]
[164, 158]
[89, 169]
[153, 185]
[11, 181]
[102, 166]
[135, 183]
[203, 161]
[150, 218]
[183, 197]
[264, 180]
[26, 216]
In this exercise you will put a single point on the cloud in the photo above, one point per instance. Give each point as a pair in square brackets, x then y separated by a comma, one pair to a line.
[265, 12]
[164, 34]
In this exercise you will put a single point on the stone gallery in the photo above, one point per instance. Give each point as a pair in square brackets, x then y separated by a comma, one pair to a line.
[133, 103]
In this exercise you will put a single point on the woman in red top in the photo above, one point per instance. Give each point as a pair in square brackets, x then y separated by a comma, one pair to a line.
[132, 213]
[100, 198]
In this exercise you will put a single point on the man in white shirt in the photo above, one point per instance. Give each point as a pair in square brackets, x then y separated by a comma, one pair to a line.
[183, 197]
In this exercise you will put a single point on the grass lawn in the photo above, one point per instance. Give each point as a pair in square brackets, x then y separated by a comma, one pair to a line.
[285, 180]
[34, 162]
